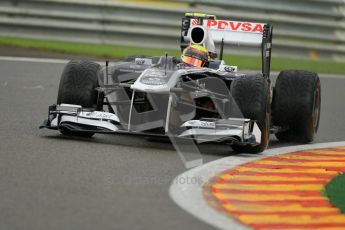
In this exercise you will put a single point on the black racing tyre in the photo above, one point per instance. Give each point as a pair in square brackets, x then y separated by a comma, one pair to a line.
[252, 95]
[77, 86]
[296, 105]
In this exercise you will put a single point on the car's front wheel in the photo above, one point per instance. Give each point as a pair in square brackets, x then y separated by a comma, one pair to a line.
[78, 86]
[252, 96]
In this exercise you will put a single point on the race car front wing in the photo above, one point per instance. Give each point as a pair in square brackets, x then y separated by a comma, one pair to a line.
[75, 118]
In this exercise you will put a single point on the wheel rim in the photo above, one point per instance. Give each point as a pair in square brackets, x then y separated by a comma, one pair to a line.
[316, 110]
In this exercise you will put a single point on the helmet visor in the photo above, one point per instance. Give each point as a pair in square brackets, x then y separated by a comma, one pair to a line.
[193, 61]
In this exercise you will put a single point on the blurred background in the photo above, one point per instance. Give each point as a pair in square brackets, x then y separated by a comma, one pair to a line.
[308, 34]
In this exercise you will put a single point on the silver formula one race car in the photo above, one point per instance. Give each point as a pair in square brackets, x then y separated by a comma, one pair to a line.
[161, 96]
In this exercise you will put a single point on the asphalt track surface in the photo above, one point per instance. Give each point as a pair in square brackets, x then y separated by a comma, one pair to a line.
[49, 181]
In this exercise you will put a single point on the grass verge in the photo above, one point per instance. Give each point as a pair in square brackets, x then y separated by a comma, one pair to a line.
[335, 191]
[117, 52]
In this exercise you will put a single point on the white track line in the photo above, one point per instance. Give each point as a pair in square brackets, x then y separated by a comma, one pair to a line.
[189, 196]
[37, 60]
[41, 60]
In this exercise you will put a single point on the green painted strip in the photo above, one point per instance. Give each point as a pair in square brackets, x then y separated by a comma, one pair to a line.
[117, 52]
[335, 191]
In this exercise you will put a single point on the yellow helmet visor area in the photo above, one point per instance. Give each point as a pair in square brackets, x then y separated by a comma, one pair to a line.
[193, 62]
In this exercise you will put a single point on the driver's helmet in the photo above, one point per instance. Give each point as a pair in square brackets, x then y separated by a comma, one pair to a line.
[195, 56]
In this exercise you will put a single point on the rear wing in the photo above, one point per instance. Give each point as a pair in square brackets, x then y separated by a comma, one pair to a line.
[227, 32]
[234, 32]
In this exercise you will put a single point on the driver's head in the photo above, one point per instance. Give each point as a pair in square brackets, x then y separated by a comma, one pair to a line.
[195, 56]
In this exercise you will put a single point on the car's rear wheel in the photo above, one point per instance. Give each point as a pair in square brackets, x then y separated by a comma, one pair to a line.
[78, 86]
[251, 93]
[296, 105]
